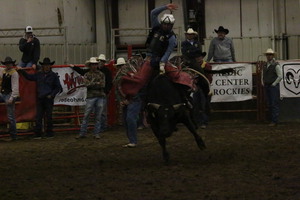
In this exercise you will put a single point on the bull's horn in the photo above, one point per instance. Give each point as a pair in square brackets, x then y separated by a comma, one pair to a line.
[155, 105]
[176, 106]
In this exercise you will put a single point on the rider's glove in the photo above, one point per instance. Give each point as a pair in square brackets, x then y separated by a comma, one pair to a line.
[162, 67]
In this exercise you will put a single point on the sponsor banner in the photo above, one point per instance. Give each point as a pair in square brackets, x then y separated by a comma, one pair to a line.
[74, 91]
[234, 86]
[290, 84]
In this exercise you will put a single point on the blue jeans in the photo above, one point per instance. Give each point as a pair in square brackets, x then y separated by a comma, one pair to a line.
[22, 64]
[96, 104]
[10, 108]
[130, 117]
[104, 117]
[201, 107]
[273, 96]
[44, 109]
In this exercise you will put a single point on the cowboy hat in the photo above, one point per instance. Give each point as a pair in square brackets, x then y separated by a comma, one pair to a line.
[121, 61]
[47, 61]
[101, 57]
[222, 29]
[269, 51]
[8, 60]
[92, 60]
[191, 31]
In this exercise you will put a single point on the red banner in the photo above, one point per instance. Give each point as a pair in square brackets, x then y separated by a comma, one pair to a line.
[25, 109]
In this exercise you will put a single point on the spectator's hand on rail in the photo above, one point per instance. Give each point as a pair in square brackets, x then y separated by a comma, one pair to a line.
[172, 6]
[71, 65]
[18, 68]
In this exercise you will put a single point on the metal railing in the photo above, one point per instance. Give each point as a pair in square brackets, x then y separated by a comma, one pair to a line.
[136, 36]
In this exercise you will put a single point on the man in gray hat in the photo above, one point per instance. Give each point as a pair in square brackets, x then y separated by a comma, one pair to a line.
[221, 48]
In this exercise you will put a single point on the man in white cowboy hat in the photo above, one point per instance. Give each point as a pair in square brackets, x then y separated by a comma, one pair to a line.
[29, 45]
[94, 80]
[221, 48]
[9, 92]
[130, 108]
[108, 85]
[48, 86]
[190, 45]
[271, 76]
[161, 39]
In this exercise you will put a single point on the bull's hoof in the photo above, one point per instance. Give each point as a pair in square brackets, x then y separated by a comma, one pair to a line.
[166, 157]
[201, 144]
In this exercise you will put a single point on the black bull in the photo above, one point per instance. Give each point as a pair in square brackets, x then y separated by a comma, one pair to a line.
[167, 107]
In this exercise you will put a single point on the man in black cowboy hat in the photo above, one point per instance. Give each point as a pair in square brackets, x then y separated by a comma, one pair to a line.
[221, 48]
[48, 85]
[10, 92]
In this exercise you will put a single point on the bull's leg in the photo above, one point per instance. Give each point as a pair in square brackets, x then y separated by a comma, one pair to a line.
[165, 153]
[190, 125]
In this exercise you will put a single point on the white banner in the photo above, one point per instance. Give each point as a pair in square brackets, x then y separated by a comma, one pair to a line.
[235, 86]
[290, 84]
[74, 91]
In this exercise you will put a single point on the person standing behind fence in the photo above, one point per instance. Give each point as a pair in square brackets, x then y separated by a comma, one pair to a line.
[94, 80]
[200, 98]
[221, 48]
[271, 76]
[29, 45]
[190, 46]
[9, 92]
[107, 88]
[48, 86]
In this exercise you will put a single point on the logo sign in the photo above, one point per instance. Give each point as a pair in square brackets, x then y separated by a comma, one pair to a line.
[74, 91]
[234, 86]
[290, 85]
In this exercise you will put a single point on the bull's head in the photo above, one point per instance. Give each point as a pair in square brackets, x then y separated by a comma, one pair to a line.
[163, 118]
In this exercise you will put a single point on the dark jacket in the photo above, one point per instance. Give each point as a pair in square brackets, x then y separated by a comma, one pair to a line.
[104, 70]
[31, 51]
[47, 83]
[189, 50]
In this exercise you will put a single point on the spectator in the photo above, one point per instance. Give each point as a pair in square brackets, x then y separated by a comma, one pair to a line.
[221, 48]
[271, 76]
[190, 46]
[108, 86]
[200, 98]
[94, 80]
[29, 45]
[161, 40]
[48, 86]
[130, 108]
[10, 92]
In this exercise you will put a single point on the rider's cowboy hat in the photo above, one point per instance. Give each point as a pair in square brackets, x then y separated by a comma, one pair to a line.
[222, 29]
[8, 60]
[47, 61]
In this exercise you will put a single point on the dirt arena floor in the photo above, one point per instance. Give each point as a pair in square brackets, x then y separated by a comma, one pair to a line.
[243, 161]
